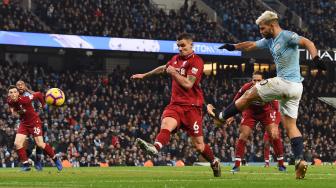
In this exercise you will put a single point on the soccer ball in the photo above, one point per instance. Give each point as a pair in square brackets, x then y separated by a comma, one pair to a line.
[55, 97]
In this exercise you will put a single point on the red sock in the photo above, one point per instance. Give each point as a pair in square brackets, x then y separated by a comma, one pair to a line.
[240, 151]
[207, 153]
[162, 139]
[278, 150]
[49, 151]
[266, 154]
[22, 155]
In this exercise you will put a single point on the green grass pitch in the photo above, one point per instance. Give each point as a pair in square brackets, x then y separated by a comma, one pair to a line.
[166, 177]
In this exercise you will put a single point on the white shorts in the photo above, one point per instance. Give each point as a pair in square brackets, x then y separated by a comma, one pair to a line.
[287, 92]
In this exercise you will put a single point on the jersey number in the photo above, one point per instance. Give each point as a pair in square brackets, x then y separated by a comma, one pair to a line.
[196, 128]
[37, 130]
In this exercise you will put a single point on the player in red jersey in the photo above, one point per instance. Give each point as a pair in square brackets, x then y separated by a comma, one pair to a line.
[268, 115]
[30, 124]
[29, 143]
[185, 108]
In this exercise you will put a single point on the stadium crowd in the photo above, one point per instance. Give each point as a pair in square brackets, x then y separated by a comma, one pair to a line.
[142, 19]
[317, 15]
[126, 18]
[239, 18]
[103, 116]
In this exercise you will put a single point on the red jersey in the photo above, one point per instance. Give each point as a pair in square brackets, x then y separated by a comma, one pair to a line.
[23, 106]
[191, 64]
[257, 106]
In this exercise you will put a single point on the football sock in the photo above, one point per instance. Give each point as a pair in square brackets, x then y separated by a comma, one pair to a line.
[230, 111]
[162, 139]
[297, 147]
[49, 151]
[39, 152]
[278, 150]
[240, 151]
[22, 155]
[207, 153]
[266, 154]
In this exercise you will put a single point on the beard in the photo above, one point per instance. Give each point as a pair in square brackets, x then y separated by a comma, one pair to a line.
[268, 36]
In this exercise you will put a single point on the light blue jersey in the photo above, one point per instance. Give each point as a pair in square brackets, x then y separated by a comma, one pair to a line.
[285, 51]
[27, 94]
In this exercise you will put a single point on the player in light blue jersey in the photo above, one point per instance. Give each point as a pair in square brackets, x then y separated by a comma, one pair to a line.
[285, 87]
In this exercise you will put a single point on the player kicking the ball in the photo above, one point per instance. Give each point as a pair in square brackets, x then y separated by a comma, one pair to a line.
[286, 87]
[30, 124]
[185, 108]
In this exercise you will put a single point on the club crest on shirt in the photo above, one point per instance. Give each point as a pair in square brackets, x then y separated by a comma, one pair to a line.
[277, 47]
[184, 63]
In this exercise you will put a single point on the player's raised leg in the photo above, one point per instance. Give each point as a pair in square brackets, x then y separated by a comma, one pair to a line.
[19, 142]
[49, 151]
[236, 106]
[168, 124]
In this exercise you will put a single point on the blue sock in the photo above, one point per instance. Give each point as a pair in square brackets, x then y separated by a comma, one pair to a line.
[297, 147]
[230, 110]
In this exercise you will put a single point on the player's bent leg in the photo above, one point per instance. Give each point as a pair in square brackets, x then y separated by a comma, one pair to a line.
[49, 151]
[248, 97]
[297, 145]
[168, 124]
[206, 152]
[19, 142]
[236, 106]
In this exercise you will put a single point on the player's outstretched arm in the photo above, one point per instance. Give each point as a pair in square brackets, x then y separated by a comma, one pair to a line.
[158, 70]
[242, 46]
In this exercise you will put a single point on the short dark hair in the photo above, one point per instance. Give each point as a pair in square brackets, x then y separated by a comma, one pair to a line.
[20, 81]
[258, 73]
[11, 87]
[186, 36]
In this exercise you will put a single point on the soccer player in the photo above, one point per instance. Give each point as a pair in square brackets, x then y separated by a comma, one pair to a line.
[286, 86]
[30, 123]
[185, 108]
[24, 91]
[268, 115]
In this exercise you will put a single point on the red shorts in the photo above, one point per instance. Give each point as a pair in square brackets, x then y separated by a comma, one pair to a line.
[35, 129]
[266, 118]
[189, 118]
